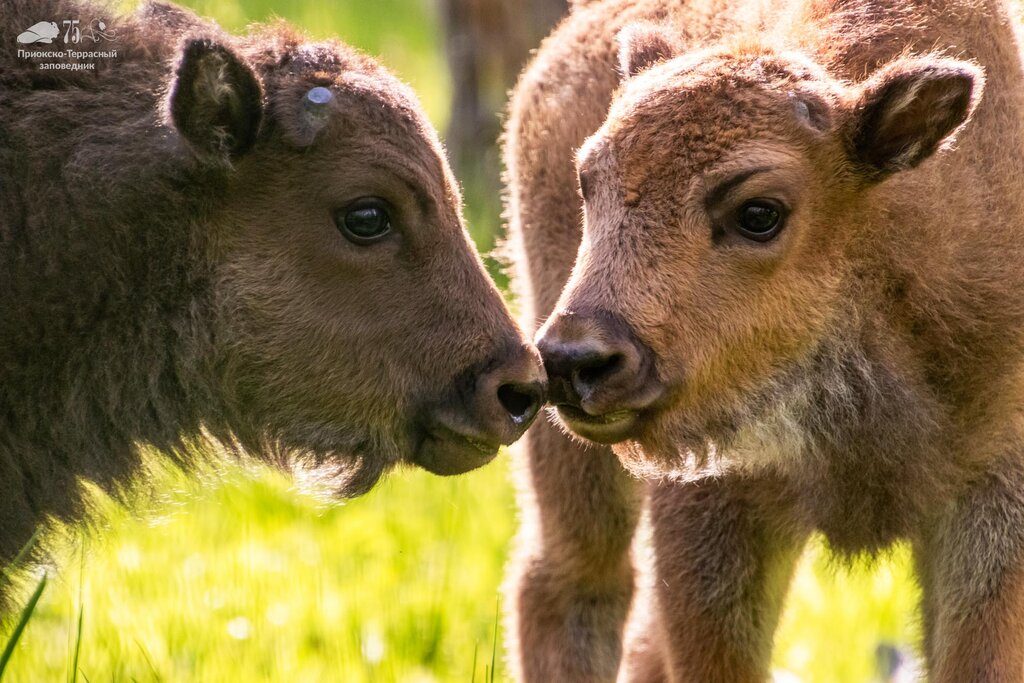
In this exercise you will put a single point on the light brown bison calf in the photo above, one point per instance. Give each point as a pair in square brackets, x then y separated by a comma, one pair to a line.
[256, 238]
[796, 303]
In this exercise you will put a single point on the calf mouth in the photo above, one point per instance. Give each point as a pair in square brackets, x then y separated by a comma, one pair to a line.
[446, 452]
[607, 428]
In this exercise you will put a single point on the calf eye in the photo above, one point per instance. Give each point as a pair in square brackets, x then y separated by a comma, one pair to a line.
[760, 219]
[364, 222]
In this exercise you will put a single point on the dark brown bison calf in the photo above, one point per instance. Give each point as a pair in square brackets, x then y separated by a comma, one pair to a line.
[796, 303]
[253, 238]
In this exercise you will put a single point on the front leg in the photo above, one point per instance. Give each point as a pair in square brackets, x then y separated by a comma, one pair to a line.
[643, 652]
[971, 567]
[725, 549]
[571, 579]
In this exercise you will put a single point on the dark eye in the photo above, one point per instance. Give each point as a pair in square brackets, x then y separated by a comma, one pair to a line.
[760, 219]
[364, 222]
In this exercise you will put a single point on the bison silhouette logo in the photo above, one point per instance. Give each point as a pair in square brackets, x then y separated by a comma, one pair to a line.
[43, 32]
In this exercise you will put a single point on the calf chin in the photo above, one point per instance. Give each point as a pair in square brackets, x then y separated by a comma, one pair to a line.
[448, 453]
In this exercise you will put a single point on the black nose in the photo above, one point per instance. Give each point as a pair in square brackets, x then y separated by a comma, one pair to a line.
[596, 363]
[521, 401]
[509, 395]
[580, 366]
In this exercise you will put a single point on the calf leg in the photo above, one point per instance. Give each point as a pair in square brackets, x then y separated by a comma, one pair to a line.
[725, 551]
[571, 580]
[971, 567]
[643, 657]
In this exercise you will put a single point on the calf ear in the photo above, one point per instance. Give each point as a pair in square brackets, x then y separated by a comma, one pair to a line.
[642, 45]
[908, 110]
[216, 102]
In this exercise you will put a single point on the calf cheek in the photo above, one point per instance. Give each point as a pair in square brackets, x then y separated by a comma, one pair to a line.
[306, 358]
[358, 351]
[738, 330]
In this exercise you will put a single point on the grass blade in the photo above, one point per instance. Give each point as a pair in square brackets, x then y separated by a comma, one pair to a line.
[73, 674]
[145, 655]
[494, 642]
[73, 671]
[26, 614]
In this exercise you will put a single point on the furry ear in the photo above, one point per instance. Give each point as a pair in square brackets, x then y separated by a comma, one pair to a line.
[908, 109]
[216, 101]
[642, 45]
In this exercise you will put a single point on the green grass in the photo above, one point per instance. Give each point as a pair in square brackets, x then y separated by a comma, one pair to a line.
[242, 577]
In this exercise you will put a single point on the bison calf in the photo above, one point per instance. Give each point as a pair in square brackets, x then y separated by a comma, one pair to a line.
[796, 303]
[254, 238]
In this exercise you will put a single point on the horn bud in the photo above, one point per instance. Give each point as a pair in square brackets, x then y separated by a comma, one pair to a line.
[315, 108]
[317, 97]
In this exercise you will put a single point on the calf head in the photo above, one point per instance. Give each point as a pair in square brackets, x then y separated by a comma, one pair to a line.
[354, 321]
[734, 201]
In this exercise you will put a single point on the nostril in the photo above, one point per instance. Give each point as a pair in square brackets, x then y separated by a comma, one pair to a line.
[594, 370]
[521, 401]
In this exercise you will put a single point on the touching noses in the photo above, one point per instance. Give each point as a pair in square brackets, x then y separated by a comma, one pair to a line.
[600, 376]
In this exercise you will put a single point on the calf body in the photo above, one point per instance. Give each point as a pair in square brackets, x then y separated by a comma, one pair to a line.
[256, 239]
[794, 307]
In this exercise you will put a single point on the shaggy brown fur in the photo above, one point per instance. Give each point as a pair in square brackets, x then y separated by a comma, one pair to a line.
[172, 264]
[857, 372]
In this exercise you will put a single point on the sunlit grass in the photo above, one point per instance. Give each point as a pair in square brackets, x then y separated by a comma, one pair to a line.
[248, 579]
[241, 577]
[837, 617]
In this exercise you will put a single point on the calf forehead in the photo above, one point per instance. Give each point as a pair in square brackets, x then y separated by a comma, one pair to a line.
[378, 99]
[368, 107]
[681, 123]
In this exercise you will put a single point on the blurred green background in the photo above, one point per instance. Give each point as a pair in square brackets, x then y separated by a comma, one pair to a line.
[238, 576]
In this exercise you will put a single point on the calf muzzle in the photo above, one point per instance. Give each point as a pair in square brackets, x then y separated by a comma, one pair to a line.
[601, 376]
[488, 407]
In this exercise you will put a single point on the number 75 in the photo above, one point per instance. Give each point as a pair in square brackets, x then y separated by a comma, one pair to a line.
[72, 32]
